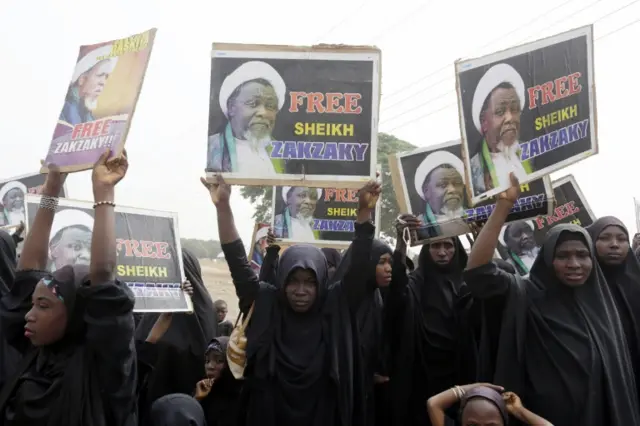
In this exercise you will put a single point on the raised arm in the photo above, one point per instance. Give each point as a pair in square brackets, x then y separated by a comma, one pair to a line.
[35, 251]
[270, 264]
[244, 278]
[108, 302]
[354, 282]
[483, 278]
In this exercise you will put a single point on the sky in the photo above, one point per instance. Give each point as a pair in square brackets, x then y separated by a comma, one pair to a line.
[419, 39]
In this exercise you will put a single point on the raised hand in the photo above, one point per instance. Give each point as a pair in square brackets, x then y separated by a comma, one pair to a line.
[513, 193]
[271, 237]
[54, 182]
[108, 172]
[187, 287]
[219, 191]
[514, 405]
[203, 387]
[368, 195]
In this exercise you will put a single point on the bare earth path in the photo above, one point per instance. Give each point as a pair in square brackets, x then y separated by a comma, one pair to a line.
[218, 281]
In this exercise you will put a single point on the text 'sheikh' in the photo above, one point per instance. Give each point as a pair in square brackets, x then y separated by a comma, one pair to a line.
[547, 93]
[322, 103]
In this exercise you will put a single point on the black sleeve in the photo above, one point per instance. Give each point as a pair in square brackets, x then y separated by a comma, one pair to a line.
[488, 281]
[395, 302]
[15, 305]
[244, 279]
[110, 336]
[269, 265]
[354, 282]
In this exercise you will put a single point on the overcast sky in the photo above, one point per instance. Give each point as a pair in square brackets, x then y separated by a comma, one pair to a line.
[420, 39]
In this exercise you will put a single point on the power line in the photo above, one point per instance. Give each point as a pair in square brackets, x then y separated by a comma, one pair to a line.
[406, 17]
[515, 44]
[456, 103]
[410, 85]
[449, 77]
[347, 16]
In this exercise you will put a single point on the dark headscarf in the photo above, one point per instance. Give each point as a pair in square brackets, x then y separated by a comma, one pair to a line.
[624, 283]
[333, 256]
[505, 266]
[434, 349]
[488, 394]
[177, 410]
[221, 405]
[369, 332]
[180, 351]
[64, 369]
[7, 262]
[550, 329]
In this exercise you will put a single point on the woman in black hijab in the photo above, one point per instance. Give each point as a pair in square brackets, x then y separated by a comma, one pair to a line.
[300, 353]
[175, 363]
[333, 259]
[74, 328]
[219, 392]
[561, 343]
[622, 272]
[369, 327]
[429, 311]
[9, 356]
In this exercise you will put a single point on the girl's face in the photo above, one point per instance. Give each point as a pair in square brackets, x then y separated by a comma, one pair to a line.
[47, 319]
[480, 412]
[572, 263]
[214, 364]
[383, 270]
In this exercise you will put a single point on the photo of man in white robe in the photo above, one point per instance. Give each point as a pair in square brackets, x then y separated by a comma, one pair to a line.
[296, 221]
[12, 199]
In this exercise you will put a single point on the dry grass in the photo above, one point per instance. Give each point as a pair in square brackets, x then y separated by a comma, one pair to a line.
[218, 281]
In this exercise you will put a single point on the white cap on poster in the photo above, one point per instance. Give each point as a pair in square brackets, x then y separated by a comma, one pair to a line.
[496, 75]
[92, 59]
[433, 161]
[262, 232]
[285, 191]
[12, 185]
[248, 71]
[501, 236]
[67, 218]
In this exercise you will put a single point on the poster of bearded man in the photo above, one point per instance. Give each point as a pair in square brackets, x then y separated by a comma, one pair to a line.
[12, 196]
[287, 115]
[429, 183]
[528, 110]
[100, 101]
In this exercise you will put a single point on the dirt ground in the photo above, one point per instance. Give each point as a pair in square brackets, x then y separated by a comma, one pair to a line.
[218, 281]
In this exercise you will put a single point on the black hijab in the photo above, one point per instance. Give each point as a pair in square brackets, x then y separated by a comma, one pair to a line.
[177, 410]
[7, 262]
[221, 404]
[295, 359]
[624, 283]
[435, 346]
[562, 348]
[63, 380]
[333, 256]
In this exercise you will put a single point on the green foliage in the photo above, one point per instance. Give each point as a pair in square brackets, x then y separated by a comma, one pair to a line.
[202, 249]
[261, 196]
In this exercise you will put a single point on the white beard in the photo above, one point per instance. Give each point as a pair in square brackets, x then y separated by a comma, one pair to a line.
[255, 141]
[451, 214]
[305, 219]
[91, 104]
[15, 216]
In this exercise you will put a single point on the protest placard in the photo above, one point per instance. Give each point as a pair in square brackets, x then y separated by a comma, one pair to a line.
[147, 243]
[520, 243]
[529, 110]
[13, 192]
[324, 217]
[429, 183]
[100, 102]
[258, 248]
[305, 116]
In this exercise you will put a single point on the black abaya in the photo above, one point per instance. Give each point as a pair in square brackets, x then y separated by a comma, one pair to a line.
[176, 362]
[300, 366]
[369, 328]
[561, 349]
[624, 283]
[434, 345]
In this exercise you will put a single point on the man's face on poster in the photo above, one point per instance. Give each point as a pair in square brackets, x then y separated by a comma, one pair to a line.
[519, 238]
[252, 113]
[13, 200]
[302, 201]
[72, 246]
[91, 83]
[501, 120]
[444, 189]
